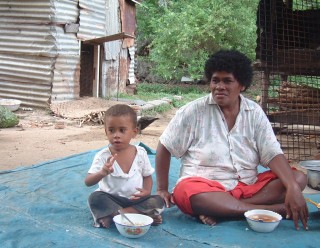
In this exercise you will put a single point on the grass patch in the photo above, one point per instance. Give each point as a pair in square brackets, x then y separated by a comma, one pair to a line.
[149, 92]
[157, 110]
[153, 91]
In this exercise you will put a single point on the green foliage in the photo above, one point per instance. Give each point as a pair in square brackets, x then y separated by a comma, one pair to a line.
[149, 92]
[305, 4]
[184, 33]
[305, 80]
[169, 89]
[147, 13]
[157, 110]
[7, 118]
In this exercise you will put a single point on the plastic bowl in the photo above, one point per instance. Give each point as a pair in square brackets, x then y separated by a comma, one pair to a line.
[10, 104]
[261, 220]
[313, 172]
[143, 223]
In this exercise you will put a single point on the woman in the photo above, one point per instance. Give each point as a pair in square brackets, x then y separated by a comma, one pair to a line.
[221, 139]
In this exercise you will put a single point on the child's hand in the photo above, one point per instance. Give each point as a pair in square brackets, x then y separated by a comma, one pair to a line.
[140, 193]
[107, 168]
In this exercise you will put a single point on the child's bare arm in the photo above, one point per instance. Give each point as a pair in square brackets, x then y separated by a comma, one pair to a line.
[146, 190]
[94, 178]
[147, 183]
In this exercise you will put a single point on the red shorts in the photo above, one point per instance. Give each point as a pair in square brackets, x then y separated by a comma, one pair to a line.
[195, 185]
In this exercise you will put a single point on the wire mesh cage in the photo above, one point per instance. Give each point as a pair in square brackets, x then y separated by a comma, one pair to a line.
[288, 59]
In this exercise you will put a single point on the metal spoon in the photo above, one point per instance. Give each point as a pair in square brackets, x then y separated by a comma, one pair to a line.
[124, 216]
[314, 203]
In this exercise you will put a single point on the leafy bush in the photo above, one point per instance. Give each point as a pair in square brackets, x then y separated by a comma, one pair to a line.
[7, 118]
[184, 33]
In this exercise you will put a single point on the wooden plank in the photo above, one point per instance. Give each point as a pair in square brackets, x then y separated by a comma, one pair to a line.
[295, 118]
[101, 40]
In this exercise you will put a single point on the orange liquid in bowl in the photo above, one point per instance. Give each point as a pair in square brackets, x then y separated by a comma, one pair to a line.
[263, 218]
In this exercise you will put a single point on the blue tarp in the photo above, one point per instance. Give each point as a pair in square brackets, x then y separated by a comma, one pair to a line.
[45, 205]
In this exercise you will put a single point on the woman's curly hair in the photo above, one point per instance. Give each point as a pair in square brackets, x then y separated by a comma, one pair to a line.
[230, 61]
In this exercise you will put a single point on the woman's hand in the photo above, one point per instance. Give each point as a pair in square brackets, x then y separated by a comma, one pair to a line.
[296, 207]
[166, 196]
[295, 204]
[140, 193]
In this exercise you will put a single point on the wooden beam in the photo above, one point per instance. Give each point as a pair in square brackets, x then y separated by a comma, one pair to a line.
[118, 36]
[136, 1]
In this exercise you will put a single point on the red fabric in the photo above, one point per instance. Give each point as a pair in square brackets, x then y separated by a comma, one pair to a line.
[195, 185]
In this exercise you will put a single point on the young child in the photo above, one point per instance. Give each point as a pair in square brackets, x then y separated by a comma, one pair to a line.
[122, 171]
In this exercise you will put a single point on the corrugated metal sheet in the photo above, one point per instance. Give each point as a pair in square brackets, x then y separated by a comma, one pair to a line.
[66, 78]
[39, 62]
[16, 11]
[111, 51]
[27, 39]
[113, 27]
[66, 11]
[92, 19]
[29, 48]
[65, 84]
[132, 51]
[112, 18]
[39, 11]
[27, 78]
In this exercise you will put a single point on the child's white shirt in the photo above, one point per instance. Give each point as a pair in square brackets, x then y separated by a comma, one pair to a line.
[118, 182]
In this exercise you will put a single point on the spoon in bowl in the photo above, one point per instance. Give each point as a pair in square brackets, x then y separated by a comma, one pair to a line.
[124, 216]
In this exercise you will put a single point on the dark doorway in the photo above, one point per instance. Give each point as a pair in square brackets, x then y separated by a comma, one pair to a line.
[86, 70]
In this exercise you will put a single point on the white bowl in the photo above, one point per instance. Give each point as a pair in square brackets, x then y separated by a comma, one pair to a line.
[261, 220]
[10, 104]
[143, 223]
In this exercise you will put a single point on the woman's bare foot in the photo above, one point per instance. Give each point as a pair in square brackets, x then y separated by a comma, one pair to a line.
[278, 208]
[207, 220]
[105, 222]
[157, 220]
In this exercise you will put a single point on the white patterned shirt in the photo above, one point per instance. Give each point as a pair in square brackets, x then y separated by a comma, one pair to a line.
[199, 135]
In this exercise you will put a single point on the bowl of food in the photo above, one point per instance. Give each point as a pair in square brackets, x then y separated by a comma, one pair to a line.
[141, 225]
[313, 172]
[261, 220]
[10, 104]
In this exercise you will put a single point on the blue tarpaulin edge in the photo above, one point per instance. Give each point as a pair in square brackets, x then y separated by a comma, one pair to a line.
[45, 205]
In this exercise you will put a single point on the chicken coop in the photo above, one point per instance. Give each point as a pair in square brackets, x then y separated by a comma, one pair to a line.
[288, 62]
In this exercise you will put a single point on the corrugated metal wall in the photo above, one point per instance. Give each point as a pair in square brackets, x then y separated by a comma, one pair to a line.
[92, 19]
[128, 17]
[31, 41]
[111, 49]
[132, 52]
[40, 62]
[118, 67]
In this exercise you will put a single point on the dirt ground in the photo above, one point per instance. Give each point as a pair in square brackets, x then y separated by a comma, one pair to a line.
[63, 130]
[42, 136]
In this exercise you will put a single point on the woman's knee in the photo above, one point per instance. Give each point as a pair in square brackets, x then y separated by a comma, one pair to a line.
[155, 201]
[301, 179]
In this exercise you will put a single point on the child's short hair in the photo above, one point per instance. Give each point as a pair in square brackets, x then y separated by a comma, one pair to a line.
[120, 110]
